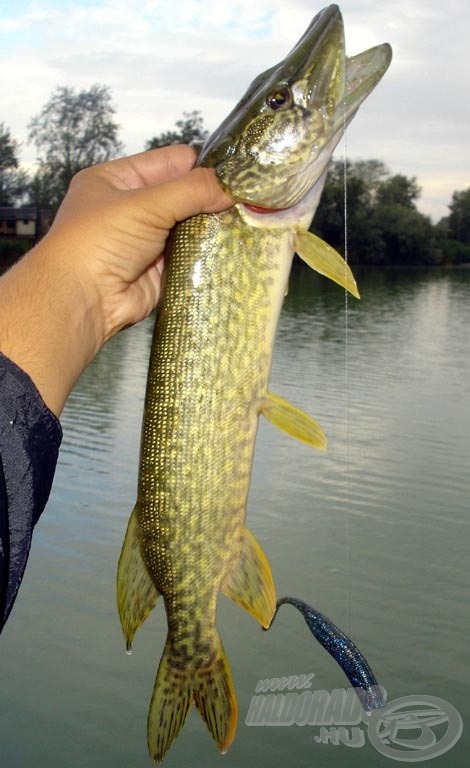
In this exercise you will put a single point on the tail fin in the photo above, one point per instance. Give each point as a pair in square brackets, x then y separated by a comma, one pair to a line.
[215, 698]
[209, 687]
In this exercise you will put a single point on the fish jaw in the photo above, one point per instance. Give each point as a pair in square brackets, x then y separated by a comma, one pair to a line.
[289, 219]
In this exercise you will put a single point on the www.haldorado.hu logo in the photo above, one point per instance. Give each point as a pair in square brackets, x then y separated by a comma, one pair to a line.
[409, 729]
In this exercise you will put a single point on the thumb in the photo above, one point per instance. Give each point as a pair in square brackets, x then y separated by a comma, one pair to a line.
[196, 192]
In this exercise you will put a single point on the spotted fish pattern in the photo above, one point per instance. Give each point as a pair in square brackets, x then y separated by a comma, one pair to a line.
[224, 284]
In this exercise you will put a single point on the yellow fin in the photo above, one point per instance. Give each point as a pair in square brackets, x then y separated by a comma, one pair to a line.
[215, 698]
[136, 592]
[171, 702]
[292, 420]
[324, 259]
[210, 687]
[250, 583]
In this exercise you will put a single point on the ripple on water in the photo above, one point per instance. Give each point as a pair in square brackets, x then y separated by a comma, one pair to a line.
[374, 533]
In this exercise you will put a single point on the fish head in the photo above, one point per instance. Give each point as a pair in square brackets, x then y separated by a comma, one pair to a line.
[276, 143]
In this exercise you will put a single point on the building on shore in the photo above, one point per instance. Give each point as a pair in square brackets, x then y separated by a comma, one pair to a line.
[25, 222]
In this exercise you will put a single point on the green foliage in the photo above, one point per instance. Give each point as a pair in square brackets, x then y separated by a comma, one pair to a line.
[190, 129]
[455, 252]
[8, 149]
[459, 217]
[398, 189]
[372, 172]
[384, 225]
[407, 235]
[42, 190]
[73, 131]
[13, 181]
[76, 129]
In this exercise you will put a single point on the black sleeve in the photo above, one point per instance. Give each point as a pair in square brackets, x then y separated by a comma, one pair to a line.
[30, 436]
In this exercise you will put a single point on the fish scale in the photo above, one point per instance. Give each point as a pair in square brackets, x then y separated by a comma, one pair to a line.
[209, 369]
[220, 370]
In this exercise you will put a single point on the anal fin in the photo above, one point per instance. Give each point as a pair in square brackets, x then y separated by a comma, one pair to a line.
[249, 583]
[136, 592]
[324, 259]
[293, 421]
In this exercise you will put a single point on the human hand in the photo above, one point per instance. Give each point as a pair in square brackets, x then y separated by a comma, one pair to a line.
[99, 267]
[116, 218]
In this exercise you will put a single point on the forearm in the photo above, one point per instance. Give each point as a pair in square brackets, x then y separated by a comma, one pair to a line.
[46, 324]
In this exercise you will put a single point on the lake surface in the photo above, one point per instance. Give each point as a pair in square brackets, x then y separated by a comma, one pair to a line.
[375, 533]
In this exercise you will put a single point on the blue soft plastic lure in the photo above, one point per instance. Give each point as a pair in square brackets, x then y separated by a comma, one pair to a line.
[344, 651]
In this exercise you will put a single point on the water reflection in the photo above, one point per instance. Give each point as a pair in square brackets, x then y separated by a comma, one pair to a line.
[374, 533]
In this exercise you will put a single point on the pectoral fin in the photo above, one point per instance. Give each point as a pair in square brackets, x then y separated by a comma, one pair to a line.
[136, 592]
[249, 583]
[292, 420]
[324, 259]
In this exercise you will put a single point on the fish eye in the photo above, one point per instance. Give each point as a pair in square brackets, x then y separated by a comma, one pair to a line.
[280, 98]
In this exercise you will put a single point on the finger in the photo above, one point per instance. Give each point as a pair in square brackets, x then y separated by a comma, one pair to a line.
[148, 168]
[177, 200]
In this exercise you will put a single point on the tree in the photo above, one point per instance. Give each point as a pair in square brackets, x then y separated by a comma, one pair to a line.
[363, 177]
[372, 173]
[398, 189]
[458, 221]
[42, 190]
[72, 131]
[190, 129]
[13, 181]
[8, 149]
[408, 236]
[384, 225]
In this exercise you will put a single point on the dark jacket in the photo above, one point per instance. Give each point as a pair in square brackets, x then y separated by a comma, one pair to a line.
[30, 437]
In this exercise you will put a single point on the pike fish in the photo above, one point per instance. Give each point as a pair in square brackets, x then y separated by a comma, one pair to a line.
[209, 369]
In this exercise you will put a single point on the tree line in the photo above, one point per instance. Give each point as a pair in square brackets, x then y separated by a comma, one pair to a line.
[384, 226]
[76, 129]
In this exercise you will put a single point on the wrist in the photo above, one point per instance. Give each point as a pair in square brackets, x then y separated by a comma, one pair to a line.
[47, 325]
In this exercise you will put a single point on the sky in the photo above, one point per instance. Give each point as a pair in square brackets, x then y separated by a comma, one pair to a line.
[162, 58]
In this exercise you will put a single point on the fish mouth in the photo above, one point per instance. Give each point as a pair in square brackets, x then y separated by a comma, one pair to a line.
[263, 211]
[277, 141]
[298, 213]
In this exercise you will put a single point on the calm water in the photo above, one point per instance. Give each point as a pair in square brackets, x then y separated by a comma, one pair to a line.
[374, 533]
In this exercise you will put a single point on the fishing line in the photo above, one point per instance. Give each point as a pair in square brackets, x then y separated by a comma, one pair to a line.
[346, 367]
